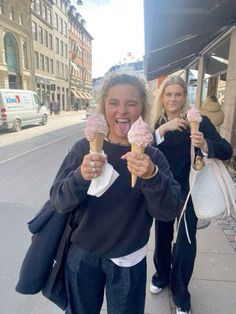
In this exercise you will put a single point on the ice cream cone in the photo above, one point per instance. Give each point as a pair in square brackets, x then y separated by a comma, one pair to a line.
[194, 126]
[139, 149]
[96, 144]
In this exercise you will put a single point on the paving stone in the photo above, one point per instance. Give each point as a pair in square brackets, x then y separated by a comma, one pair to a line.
[231, 238]
[225, 227]
[229, 232]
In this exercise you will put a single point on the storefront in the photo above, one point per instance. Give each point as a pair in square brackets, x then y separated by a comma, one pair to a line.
[195, 35]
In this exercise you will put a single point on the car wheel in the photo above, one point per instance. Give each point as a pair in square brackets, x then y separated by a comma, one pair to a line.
[17, 125]
[44, 119]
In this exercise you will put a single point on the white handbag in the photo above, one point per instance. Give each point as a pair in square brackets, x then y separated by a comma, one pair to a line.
[212, 190]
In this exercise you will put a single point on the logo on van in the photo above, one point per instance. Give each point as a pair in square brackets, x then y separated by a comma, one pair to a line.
[13, 99]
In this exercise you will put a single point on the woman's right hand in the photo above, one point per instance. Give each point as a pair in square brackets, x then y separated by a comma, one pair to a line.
[92, 165]
[172, 125]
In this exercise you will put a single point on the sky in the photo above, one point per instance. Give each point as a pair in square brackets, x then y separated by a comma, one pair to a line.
[117, 30]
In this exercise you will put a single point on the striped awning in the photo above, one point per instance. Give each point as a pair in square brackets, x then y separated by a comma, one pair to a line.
[80, 94]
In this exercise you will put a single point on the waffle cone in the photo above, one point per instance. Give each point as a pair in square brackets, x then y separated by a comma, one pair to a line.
[139, 149]
[96, 144]
[194, 126]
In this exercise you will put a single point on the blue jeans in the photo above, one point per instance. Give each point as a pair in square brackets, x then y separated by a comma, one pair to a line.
[87, 275]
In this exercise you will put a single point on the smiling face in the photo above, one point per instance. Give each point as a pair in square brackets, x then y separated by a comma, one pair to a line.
[122, 107]
[173, 99]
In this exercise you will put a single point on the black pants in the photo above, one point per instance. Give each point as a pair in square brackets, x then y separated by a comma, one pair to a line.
[176, 268]
[87, 276]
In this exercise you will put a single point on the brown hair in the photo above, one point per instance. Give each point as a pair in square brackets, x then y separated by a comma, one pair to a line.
[126, 79]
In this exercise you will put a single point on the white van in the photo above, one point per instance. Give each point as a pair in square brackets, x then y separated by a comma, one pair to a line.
[19, 108]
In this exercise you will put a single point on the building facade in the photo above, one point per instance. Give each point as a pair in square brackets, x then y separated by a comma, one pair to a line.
[45, 47]
[133, 68]
[80, 60]
[16, 68]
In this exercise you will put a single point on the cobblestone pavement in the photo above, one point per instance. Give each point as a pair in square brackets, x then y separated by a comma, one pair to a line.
[228, 225]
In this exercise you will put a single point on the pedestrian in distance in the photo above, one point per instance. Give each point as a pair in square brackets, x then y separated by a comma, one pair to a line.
[175, 266]
[109, 244]
[51, 108]
[76, 107]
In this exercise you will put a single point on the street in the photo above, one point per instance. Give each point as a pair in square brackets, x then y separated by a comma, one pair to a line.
[28, 166]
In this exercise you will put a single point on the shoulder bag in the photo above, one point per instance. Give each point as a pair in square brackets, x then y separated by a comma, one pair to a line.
[212, 191]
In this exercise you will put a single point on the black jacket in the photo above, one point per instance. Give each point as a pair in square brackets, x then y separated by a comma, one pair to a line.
[49, 230]
[176, 148]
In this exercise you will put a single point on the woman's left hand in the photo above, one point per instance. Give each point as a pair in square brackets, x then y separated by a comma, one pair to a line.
[139, 164]
[198, 140]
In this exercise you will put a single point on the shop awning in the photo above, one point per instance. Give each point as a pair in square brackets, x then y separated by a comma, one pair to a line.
[88, 96]
[80, 94]
[176, 31]
[73, 92]
[84, 94]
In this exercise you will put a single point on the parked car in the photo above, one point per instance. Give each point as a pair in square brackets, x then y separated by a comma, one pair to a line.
[20, 108]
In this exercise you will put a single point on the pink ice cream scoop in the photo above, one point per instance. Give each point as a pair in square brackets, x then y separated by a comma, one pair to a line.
[140, 133]
[193, 115]
[95, 131]
[194, 118]
[139, 136]
[96, 123]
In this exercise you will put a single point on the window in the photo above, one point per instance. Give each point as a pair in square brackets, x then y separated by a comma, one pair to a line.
[50, 42]
[66, 51]
[45, 38]
[57, 45]
[37, 6]
[21, 19]
[41, 62]
[40, 35]
[51, 66]
[46, 64]
[25, 53]
[61, 25]
[37, 100]
[44, 12]
[11, 14]
[65, 29]
[66, 72]
[57, 68]
[34, 31]
[56, 20]
[1, 6]
[62, 48]
[62, 70]
[36, 60]
[49, 19]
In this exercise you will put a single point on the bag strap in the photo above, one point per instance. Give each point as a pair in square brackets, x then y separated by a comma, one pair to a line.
[183, 211]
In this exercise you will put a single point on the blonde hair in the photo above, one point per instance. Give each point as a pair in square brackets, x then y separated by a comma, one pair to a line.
[158, 108]
[126, 79]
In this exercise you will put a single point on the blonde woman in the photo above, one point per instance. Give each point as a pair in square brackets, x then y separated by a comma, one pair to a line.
[172, 137]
